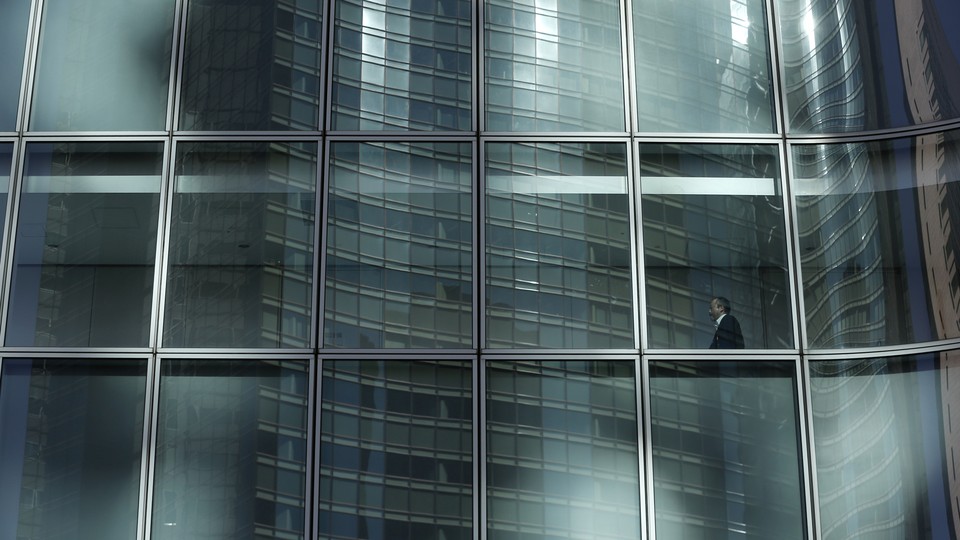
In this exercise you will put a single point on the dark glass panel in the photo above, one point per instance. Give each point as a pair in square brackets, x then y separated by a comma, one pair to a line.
[562, 450]
[713, 226]
[396, 451]
[86, 236]
[558, 249]
[399, 246]
[231, 450]
[71, 433]
[726, 458]
[251, 65]
[241, 246]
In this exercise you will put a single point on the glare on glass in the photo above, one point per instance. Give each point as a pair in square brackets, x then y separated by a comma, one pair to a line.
[83, 260]
[562, 450]
[104, 65]
[402, 65]
[251, 66]
[726, 460]
[558, 248]
[396, 450]
[885, 446]
[231, 452]
[399, 246]
[553, 66]
[714, 226]
[240, 271]
[877, 241]
[71, 448]
[702, 66]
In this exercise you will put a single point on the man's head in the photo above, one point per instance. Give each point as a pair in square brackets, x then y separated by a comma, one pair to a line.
[719, 306]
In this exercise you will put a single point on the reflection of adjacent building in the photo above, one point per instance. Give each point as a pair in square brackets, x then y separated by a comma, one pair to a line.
[251, 66]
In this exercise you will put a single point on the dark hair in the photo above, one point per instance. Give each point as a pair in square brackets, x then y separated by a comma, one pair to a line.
[724, 303]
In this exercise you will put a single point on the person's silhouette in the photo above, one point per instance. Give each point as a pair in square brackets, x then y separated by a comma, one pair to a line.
[728, 334]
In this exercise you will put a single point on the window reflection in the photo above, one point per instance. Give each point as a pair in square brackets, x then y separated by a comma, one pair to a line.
[241, 246]
[561, 446]
[702, 66]
[251, 65]
[558, 246]
[399, 237]
[852, 66]
[71, 448]
[231, 449]
[83, 266]
[883, 460]
[104, 65]
[877, 251]
[725, 450]
[396, 451]
[402, 65]
[13, 41]
[553, 66]
[713, 226]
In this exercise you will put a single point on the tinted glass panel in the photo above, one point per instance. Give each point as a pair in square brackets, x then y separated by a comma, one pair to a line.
[726, 462]
[558, 250]
[855, 66]
[241, 246]
[13, 41]
[884, 465]
[85, 247]
[70, 444]
[402, 64]
[562, 451]
[553, 65]
[713, 226]
[702, 66]
[251, 65]
[399, 246]
[6, 162]
[878, 240]
[231, 450]
[396, 451]
[104, 65]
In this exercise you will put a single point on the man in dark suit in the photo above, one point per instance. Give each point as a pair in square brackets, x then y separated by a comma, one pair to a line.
[728, 334]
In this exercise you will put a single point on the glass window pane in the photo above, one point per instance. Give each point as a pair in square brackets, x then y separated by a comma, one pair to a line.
[400, 239]
[241, 245]
[553, 66]
[558, 246]
[104, 65]
[6, 164]
[251, 66]
[13, 41]
[86, 236]
[402, 65]
[853, 66]
[231, 449]
[396, 451]
[877, 240]
[562, 454]
[703, 66]
[726, 461]
[884, 464]
[713, 226]
[70, 443]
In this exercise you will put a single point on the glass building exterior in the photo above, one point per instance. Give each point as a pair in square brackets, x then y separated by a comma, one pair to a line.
[441, 269]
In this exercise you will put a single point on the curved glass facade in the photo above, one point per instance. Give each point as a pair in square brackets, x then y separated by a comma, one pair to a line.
[479, 270]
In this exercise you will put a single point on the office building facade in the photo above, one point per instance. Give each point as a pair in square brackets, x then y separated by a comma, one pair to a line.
[410, 269]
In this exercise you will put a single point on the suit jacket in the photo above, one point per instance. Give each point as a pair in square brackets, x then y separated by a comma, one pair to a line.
[728, 334]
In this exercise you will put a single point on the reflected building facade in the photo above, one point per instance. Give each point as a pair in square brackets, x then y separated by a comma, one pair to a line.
[404, 269]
